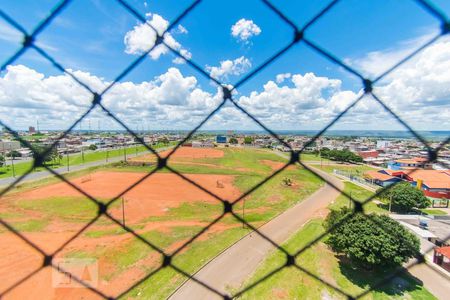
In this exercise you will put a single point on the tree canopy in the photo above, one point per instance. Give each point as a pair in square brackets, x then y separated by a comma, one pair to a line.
[39, 150]
[340, 155]
[405, 197]
[233, 140]
[248, 140]
[14, 153]
[2, 161]
[378, 241]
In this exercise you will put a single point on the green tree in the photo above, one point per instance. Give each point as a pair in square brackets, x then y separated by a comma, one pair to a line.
[14, 154]
[50, 156]
[405, 197]
[93, 147]
[2, 161]
[164, 140]
[374, 242]
[248, 140]
[233, 140]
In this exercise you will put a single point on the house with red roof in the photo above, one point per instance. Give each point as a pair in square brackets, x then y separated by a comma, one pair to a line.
[441, 257]
[433, 183]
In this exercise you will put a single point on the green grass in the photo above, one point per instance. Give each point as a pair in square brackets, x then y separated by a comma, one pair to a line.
[76, 159]
[308, 157]
[435, 212]
[292, 283]
[126, 255]
[244, 158]
[67, 208]
[289, 283]
[359, 194]
[236, 161]
[263, 204]
[164, 282]
[195, 211]
[32, 225]
[116, 230]
[273, 195]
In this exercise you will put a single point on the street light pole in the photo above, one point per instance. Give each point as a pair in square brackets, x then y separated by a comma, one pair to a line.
[12, 161]
[123, 212]
[390, 203]
[67, 158]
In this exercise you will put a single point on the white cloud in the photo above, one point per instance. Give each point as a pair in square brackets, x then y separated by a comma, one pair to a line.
[281, 77]
[419, 92]
[230, 67]
[143, 37]
[377, 62]
[170, 99]
[244, 30]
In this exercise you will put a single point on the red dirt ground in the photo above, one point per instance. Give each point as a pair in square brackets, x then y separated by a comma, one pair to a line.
[183, 153]
[152, 197]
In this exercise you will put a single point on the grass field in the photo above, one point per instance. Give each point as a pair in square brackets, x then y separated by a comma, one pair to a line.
[75, 159]
[291, 283]
[123, 259]
[433, 211]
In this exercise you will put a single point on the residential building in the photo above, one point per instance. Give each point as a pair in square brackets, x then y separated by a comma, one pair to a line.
[433, 183]
[409, 163]
[6, 146]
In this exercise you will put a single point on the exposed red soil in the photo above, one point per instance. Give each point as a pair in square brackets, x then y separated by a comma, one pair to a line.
[152, 197]
[274, 165]
[182, 153]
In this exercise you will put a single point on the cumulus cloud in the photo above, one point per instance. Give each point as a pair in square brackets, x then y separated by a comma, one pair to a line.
[57, 100]
[376, 62]
[230, 67]
[281, 77]
[244, 29]
[419, 92]
[143, 37]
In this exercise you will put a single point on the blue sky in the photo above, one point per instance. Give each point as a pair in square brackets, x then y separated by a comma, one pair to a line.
[89, 37]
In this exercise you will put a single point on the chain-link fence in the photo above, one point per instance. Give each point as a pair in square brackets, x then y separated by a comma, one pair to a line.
[299, 36]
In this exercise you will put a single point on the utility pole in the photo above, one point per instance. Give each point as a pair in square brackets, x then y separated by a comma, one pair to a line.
[82, 153]
[123, 212]
[107, 154]
[12, 161]
[67, 158]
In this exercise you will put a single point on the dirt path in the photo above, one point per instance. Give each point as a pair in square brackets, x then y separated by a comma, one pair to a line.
[231, 268]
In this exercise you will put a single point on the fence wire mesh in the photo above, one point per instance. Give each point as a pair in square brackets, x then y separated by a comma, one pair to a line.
[299, 35]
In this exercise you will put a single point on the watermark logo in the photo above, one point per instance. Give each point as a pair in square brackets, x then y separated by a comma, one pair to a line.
[68, 270]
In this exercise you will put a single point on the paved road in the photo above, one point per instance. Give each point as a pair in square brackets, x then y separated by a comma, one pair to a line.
[232, 267]
[434, 281]
[63, 170]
